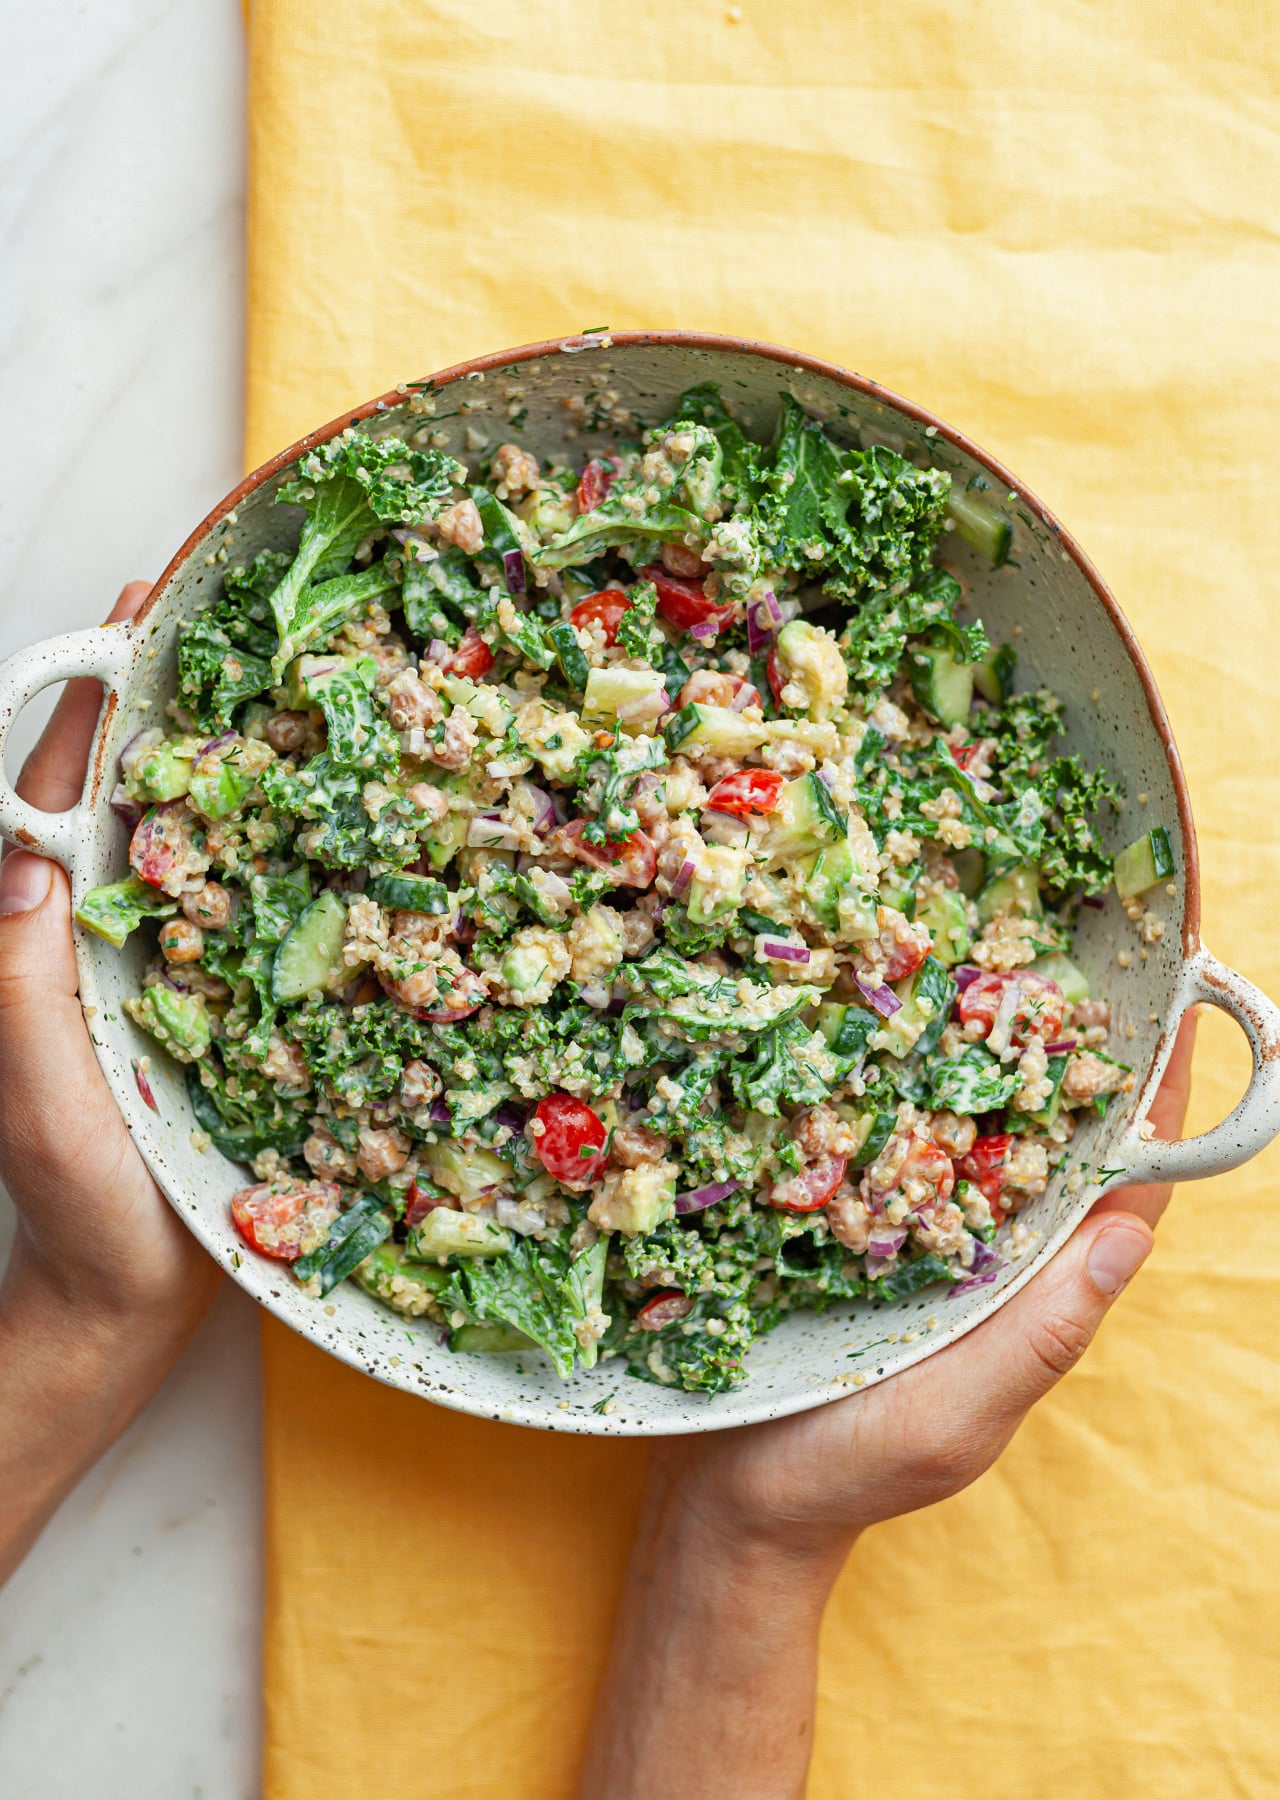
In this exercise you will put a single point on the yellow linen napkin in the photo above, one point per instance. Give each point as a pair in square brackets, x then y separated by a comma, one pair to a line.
[1055, 224]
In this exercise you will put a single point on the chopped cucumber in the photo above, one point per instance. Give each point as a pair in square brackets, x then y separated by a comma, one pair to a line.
[714, 729]
[805, 819]
[898, 890]
[445, 839]
[218, 792]
[993, 676]
[466, 1173]
[310, 953]
[1049, 1111]
[163, 773]
[489, 1340]
[947, 917]
[523, 967]
[410, 893]
[485, 703]
[612, 695]
[970, 866]
[445, 1233]
[716, 888]
[981, 525]
[879, 1129]
[847, 1029]
[942, 686]
[120, 907]
[352, 1236]
[1015, 891]
[838, 905]
[926, 1005]
[501, 536]
[574, 665]
[178, 1021]
[1144, 863]
[410, 1288]
[1056, 967]
[307, 676]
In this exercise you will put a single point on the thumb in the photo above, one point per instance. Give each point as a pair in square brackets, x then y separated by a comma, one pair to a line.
[1045, 1330]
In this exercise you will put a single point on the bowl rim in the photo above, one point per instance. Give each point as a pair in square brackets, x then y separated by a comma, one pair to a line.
[749, 1408]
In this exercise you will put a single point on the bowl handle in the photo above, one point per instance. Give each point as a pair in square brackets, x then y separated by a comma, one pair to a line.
[104, 652]
[1255, 1121]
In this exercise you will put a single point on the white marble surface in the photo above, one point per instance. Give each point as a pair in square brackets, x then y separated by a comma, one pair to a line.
[129, 1641]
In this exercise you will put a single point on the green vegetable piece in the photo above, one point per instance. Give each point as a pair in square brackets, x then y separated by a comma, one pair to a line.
[612, 695]
[910, 1277]
[1144, 863]
[805, 818]
[165, 772]
[847, 1029]
[945, 914]
[926, 1007]
[410, 1288]
[410, 893]
[714, 730]
[311, 952]
[573, 663]
[993, 676]
[178, 1021]
[352, 1236]
[468, 1172]
[1073, 982]
[879, 1132]
[975, 1081]
[218, 790]
[490, 1340]
[942, 683]
[839, 906]
[1016, 891]
[120, 907]
[981, 525]
[445, 1233]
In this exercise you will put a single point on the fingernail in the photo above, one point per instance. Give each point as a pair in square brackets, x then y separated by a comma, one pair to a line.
[24, 881]
[1116, 1256]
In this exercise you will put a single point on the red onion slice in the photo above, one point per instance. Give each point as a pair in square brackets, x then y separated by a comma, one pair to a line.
[125, 808]
[792, 953]
[706, 631]
[513, 571]
[1061, 1048]
[697, 1199]
[682, 880]
[144, 1087]
[965, 977]
[882, 1000]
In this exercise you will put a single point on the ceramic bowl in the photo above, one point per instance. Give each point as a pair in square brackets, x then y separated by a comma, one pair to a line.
[1071, 635]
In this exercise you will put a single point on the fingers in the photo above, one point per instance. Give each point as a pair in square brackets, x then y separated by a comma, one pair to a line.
[1027, 1347]
[1168, 1110]
[53, 775]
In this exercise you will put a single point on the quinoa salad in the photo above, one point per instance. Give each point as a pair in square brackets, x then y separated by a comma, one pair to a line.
[609, 906]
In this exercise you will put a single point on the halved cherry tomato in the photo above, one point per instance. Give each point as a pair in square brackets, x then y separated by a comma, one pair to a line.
[811, 1188]
[594, 484]
[984, 1165]
[771, 669]
[683, 603]
[664, 1309]
[632, 861]
[746, 791]
[604, 609]
[418, 1202]
[152, 852]
[276, 1222]
[907, 954]
[473, 656]
[1038, 1011]
[924, 1164]
[571, 1143]
[964, 754]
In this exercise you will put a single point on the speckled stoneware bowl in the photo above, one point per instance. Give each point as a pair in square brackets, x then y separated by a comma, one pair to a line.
[1071, 636]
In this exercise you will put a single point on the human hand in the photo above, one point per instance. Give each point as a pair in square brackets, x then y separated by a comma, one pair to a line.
[105, 1284]
[711, 1679]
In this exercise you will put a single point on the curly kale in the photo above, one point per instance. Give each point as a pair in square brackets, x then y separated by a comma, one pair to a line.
[637, 633]
[540, 1289]
[875, 636]
[224, 653]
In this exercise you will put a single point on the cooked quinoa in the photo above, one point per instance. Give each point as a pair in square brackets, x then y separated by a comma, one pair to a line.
[610, 907]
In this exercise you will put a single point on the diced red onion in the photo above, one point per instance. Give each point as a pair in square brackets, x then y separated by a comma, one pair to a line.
[724, 828]
[438, 652]
[971, 1281]
[486, 831]
[985, 1256]
[793, 953]
[880, 999]
[1094, 900]
[137, 744]
[763, 619]
[828, 780]
[1061, 1048]
[965, 977]
[144, 1087]
[439, 1113]
[706, 631]
[542, 808]
[229, 737]
[697, 1199]
[683, 879]
[646, 706]
[745, 696]
[513, 571]
[411, 540]
[125, 808]
[886, 1240]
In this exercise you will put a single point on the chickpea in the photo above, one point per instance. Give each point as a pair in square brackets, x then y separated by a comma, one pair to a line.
[210, 907]
[679, 559]
[181, 941]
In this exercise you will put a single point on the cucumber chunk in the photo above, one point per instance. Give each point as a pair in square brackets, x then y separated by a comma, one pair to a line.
[993, 676]
[715, 729]
[489, 1340]
[614, 696]
[981, 525]
[466, 1173]
[1144, 863]
[941, 685]
[311, 952]
[1016, 891]
[1059, 968]
[410, 893]
[947, 917]
[926, 1007]
[573, 664]
[805, 819]
[120, 907]
[352, 1236]
[847, 1029]
[837, 904]
[446, 1233]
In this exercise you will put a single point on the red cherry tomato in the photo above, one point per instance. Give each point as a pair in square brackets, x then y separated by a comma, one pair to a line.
[811, 1188]
[593, 485]
[473, 656]
[632, 861]
[683, 603]
[746, 791]
[907, 952]
[152, 852]
[418, 1202]
[771, 669]
[984, 1165]
[570, 1145]
[924, 1163]
[277, 1223]
[664, 1309]
[1038, 1012]
[964, 754]
[604, 609]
